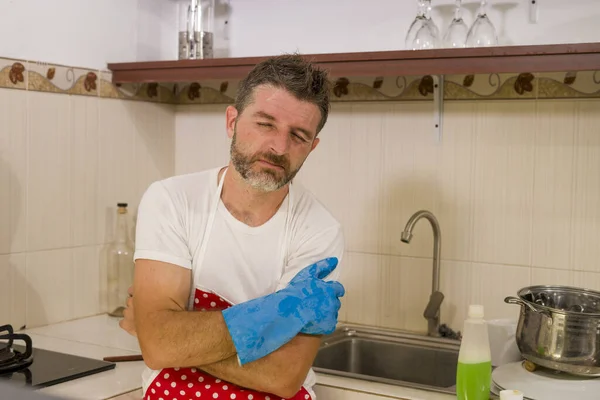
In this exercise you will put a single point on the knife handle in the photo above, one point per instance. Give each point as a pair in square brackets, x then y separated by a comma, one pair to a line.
[136, 357]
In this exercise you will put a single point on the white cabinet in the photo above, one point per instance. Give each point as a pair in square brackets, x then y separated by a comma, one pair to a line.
[333, 393]
[135, 395]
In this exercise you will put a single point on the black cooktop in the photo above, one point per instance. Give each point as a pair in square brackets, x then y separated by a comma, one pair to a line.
[38, 368]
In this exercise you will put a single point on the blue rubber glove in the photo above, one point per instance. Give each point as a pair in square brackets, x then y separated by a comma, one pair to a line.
[260, 326]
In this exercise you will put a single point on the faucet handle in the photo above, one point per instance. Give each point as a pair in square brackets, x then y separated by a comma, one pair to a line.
[433, 306]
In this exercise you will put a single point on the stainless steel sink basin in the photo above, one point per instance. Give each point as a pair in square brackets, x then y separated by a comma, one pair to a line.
[388, 356]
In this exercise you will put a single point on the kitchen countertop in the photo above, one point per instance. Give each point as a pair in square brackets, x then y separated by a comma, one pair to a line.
[100, 336]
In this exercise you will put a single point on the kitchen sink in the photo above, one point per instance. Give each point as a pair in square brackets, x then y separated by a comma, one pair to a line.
[388, 356]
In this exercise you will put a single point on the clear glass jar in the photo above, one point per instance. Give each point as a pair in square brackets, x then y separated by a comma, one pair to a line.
[196, 28]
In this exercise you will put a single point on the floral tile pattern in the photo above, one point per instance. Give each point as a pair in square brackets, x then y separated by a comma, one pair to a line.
[491, 86]
[107, 88]
[208, 92]
[62, 79]
[581, 84]
[13, 73]
[151, 92]
[39, 76]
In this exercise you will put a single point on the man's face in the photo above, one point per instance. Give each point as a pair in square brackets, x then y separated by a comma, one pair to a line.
[272, 137]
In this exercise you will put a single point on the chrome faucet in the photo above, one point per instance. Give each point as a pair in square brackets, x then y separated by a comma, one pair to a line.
[432, 310]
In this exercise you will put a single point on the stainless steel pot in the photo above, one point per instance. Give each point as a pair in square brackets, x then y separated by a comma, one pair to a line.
[559, 328]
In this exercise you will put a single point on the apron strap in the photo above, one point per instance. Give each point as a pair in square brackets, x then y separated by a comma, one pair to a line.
[207, 230]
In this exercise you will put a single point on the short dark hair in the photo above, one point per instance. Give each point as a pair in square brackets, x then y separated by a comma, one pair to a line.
[303, 79]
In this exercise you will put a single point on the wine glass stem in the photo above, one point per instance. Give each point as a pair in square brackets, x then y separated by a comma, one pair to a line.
[483, 7]
[422, 9]
[458, 10]
[427, 4]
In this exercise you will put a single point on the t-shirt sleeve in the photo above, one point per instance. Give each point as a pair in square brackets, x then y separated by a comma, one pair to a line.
[160, 231]
[328, 243]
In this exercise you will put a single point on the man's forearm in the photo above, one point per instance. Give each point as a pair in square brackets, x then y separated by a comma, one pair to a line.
[281, 372]
[172, 338]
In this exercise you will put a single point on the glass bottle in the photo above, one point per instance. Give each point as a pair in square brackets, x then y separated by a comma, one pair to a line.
[204, 29]
[120, 264]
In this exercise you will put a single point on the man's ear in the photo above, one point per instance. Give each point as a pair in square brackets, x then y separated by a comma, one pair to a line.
[231, 115]
[314, 144]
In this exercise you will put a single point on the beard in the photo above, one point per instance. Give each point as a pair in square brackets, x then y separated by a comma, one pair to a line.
[262, 178]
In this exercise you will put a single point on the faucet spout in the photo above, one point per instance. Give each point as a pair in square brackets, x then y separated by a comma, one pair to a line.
[432, 311]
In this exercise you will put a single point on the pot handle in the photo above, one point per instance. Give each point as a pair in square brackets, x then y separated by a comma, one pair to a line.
[515, 300]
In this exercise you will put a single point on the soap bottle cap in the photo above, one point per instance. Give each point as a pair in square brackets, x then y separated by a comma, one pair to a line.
[476, 311]
[511, 395]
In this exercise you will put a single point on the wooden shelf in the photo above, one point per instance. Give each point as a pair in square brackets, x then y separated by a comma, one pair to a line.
[535, 58]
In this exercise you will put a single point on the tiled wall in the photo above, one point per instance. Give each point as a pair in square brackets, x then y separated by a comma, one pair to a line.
[68, 154]
[515, 185]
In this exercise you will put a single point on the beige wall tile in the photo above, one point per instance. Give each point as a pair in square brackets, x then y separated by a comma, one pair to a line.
[326, 171]
[388, 291]
[13, 170]
[409, 160]
[13, 290]
[543, 276]
[360, 277]
[363, 177]
[587, 280]
[456, 284]
[457, 156]
[83, 146]
[586, 196]
[503, 182]
[48, 180]
[492, 283]
[87, 277]
[553, 184]
[202, 141]
[154, 142]
[116, 174]
[65, 161]
[50, 287]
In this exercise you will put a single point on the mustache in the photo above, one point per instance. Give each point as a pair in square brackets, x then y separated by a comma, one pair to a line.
[274, 159]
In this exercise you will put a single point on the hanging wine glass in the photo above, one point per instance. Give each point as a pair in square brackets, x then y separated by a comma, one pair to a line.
[456, 35]
[417, 23]
[482, 32]
[427, 35]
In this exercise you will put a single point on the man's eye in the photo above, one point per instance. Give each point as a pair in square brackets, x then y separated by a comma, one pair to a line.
[264, 124]
[298, 137]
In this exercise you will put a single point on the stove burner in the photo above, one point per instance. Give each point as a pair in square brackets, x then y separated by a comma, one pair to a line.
[12, 360]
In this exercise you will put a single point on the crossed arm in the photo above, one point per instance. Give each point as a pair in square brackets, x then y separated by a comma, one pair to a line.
[170, 336]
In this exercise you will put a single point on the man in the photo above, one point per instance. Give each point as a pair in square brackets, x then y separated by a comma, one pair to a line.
[235, 267]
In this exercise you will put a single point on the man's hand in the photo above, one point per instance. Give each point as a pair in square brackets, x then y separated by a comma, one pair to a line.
[128, 321]
[260, 326]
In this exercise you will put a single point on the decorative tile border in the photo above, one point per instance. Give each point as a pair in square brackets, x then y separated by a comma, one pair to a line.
[13, 74]
[61, 79]
[37, 76]
[526, 86]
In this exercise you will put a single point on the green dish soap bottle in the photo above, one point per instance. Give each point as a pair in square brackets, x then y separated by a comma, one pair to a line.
[474, 372]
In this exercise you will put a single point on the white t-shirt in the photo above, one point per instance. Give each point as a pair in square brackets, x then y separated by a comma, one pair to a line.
[240, 262]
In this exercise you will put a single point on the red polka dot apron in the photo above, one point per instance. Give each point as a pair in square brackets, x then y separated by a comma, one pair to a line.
[192, 383]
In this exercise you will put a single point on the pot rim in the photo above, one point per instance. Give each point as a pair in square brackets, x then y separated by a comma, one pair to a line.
[565, 288]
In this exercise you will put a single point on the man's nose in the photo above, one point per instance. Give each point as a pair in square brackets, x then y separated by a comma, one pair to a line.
[280, 142]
